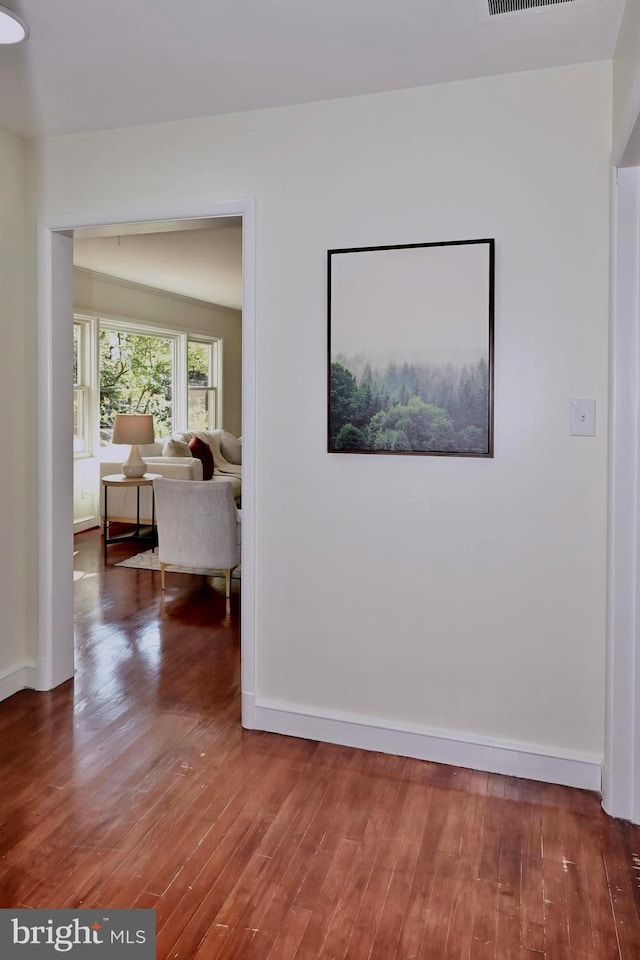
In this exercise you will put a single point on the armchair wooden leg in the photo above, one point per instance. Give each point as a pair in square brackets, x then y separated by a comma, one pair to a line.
[163, 567]
[227, 577]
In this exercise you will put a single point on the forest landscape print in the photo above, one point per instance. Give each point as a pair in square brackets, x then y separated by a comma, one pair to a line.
[411, 349]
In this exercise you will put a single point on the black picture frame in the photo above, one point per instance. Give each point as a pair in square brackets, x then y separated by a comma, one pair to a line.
[411, 349]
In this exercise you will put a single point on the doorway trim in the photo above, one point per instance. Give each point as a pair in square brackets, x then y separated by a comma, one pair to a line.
[620, 787]
[55, 662]
[621, 766]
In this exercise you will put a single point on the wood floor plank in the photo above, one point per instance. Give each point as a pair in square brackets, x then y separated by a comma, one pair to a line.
[471, 829]
[485, 921]
[366, 922]
[415, 919]
[121, 854]
[600, 908]
[294, 926]
[341, 926]
[442, 904]
[282, 874]
[325, 904]
[513, 835]
[393, 912]
[270, 902]
[463, 907]
[135, 785]
[237, 837]
[532, 910]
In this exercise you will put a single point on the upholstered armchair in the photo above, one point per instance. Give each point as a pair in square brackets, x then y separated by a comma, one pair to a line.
[198, 526]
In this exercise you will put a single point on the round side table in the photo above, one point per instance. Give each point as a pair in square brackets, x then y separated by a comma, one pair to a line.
[146, 534]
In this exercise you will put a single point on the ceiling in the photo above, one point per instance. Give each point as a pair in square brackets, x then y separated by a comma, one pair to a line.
[203, 261]
[104, 63]
[99, 64]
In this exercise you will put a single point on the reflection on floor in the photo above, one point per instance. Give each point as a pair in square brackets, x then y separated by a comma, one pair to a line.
[134, 785]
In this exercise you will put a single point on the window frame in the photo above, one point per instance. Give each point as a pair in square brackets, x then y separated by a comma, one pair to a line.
[214, 380]
[84, 383]
[93, 323]
[133, 328]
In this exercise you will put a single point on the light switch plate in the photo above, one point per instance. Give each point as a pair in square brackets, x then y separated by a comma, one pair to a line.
[583, 418]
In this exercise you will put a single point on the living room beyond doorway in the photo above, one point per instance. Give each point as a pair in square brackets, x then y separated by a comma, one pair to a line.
[157, 330]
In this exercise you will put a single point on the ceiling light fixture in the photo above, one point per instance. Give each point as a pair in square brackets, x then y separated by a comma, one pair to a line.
[13, 29]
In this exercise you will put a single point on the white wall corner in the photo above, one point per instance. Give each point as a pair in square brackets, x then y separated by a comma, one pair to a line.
[625, 150]
[16, 678]
[529, 761]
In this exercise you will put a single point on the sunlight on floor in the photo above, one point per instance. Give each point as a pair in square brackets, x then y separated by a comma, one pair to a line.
[79, 575]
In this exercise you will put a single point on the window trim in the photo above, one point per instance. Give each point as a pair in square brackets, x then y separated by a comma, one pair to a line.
[215, 374]
[87, 373]
[179, 381]
[148, 330]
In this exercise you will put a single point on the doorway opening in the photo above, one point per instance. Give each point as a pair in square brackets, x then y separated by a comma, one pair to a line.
[157, 331]
[56, 306]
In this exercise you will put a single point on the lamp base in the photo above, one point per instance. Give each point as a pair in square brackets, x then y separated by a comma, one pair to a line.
[134, 467]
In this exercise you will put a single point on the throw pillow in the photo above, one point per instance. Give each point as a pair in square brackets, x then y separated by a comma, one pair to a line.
[231, 447]
[176, 448]
[202, 451]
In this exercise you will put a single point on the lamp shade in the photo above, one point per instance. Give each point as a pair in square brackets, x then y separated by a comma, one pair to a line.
[133, 428]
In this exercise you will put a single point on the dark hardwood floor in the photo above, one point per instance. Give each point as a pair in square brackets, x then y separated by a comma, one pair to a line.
[135, 785]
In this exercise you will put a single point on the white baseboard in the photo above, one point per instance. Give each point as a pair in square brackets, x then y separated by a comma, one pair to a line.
[530, 761]
[17, 678]
[90, 523]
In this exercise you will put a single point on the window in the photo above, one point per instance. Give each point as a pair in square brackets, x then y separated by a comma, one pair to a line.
[202, 405]
[127, 367]
[137, 374]
[81, 389]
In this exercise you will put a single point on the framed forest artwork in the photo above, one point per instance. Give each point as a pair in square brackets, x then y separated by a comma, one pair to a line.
[411, 349]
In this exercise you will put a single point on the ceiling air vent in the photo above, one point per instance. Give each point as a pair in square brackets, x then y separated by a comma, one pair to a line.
[515, 6]
[488, 9]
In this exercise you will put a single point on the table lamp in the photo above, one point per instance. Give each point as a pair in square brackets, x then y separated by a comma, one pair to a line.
[133, 428]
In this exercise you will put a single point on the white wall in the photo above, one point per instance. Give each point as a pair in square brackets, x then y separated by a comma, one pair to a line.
[626, 69]
[430, 594]
[21, 452]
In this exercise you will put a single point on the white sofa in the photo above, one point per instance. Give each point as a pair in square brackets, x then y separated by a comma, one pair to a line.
[161, 458]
